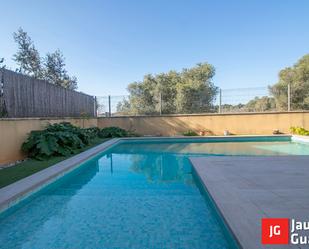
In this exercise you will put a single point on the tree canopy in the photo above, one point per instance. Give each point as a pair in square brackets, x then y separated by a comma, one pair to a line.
[55, 71]
[261, 104]
[298, 78]
[188, 91]
[50, 68]
[27, 56]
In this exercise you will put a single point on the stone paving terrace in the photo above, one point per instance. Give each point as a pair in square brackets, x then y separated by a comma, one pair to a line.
[246, 189]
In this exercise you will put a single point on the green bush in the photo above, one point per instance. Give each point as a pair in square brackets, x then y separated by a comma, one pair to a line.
[190, 133]
[110, 132]
[92, 132]
[299, 131]
[64, 139]
[60, 139]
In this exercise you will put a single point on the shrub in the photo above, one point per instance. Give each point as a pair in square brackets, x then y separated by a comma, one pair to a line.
[60, 139]
[92, 132]
[110, 132]
[190, 133]
[299, 131]
[63, 139]
[68, 127]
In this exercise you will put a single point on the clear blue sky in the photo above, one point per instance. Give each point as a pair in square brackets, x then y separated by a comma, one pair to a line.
[108, 44]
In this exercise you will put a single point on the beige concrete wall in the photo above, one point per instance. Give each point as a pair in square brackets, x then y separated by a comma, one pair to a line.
[257, 123]
[13, 132]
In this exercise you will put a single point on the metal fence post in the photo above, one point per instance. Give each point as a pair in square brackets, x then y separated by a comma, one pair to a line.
[220, 100]
[289, 97]
[95, 107]
[160, 103]
[109, 106]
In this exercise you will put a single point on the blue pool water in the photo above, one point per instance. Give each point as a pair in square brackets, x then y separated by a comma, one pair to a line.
[134, 195]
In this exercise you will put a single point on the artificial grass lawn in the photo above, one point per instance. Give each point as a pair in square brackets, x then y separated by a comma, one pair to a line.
[31, 166]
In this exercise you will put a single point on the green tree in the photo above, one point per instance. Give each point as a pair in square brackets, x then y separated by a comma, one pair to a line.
[123, 107]
[50, 68]
[27, 57]
[142, 99]
[196, 92]
[188, 91]
[298, 78]
[261, 104]
[55, 71]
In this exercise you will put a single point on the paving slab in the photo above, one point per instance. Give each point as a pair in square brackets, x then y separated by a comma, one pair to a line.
[247, 189]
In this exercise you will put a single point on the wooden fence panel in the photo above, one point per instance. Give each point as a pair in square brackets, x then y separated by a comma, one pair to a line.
[24, 96]
[2, 103]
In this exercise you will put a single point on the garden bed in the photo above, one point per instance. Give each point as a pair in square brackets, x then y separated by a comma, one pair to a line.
[31, 166]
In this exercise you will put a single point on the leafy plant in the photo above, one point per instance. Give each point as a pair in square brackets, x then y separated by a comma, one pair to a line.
[60, 139]
[299, 131]
[110, 132]
[64, 139]
[92, 132]
[190, 133]
[68, 127]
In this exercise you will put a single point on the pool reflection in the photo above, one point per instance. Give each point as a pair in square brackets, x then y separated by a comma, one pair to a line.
[162, 168]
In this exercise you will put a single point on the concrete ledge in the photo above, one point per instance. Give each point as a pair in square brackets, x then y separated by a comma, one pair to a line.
[15, 131]
[21, 189]
[202, 114]
[246, 189]
[302, 139]
[47, 118]
[236, 123]
[280, 137]
[157, 115]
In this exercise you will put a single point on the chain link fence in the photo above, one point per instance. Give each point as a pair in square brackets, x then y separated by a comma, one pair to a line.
[240, 100]
[244, 100]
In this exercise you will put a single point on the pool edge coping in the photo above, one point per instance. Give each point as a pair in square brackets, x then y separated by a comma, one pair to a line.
[21, 189]
[232, 235]
[216, 206]
[220, 205]
[300, 138]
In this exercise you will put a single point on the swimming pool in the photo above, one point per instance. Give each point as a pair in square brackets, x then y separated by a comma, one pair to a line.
[137, 194]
